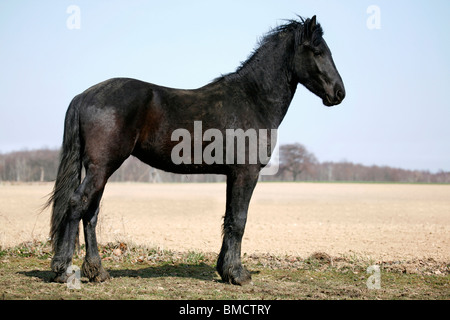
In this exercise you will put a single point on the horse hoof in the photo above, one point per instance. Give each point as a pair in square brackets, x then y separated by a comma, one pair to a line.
[243, 278]
[60, 278]
[239, 276]
[94, 271]
[102, 276]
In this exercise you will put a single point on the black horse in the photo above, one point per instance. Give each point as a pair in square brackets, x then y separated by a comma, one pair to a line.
[120, 117]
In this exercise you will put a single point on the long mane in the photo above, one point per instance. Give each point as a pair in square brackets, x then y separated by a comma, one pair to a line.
[300, 29]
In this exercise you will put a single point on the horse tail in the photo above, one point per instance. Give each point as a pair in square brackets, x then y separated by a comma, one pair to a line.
[69, 173]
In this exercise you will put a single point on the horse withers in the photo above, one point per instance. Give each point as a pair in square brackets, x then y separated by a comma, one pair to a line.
[121, 117]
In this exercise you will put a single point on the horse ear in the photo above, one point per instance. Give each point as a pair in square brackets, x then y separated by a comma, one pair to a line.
[313, 23]
[308, 30]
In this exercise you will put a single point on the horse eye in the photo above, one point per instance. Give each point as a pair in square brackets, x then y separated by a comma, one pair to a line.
[318, 53]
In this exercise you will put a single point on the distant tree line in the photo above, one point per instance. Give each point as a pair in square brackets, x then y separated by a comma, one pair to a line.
[296, 163]
[35, 165]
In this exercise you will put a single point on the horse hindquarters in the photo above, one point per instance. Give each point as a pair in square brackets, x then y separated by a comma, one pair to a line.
[98, 137]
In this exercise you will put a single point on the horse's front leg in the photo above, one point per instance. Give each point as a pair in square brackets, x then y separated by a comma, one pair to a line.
[240, 186]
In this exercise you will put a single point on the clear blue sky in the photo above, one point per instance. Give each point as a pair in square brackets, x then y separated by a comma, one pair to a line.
[397, 110]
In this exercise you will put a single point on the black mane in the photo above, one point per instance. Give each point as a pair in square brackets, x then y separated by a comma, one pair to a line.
[300, 29]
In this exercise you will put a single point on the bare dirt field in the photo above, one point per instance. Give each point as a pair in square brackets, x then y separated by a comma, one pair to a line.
[377, 221]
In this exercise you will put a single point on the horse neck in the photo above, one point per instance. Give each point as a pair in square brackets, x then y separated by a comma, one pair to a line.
[268, 81]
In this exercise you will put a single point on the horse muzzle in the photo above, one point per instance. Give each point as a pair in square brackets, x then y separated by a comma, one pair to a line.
[335, 98]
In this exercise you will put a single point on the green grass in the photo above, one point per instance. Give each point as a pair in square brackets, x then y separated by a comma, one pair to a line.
[151, 273]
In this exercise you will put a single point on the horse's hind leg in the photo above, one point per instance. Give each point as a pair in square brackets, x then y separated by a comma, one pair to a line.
[83, 205]
[109, 139]
[100, 164]
[95, 184]
[92, 265]
[86, 201]
[240, 187]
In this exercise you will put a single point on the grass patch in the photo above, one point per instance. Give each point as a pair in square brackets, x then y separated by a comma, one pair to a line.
[152, 273]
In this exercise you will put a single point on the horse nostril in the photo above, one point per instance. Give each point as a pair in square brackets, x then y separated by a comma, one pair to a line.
[340, 95]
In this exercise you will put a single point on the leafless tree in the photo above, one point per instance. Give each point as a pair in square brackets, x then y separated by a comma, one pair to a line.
[294, 158]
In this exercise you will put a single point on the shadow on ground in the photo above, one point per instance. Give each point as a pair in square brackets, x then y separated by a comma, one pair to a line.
[200, 271]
